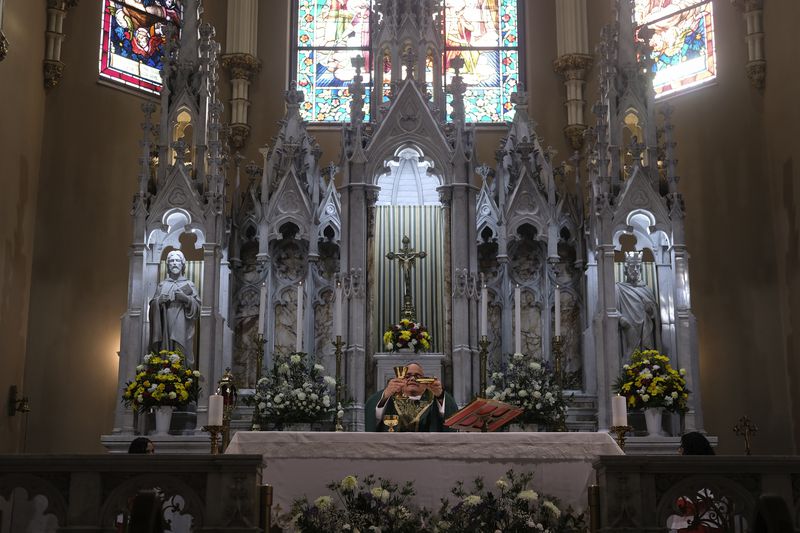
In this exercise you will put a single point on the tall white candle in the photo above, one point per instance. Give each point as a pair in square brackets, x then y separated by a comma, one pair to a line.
[215, 410]
[619, 412]
[484, 311]
[337, 311]
[558, 311]
[517, 320]
[298, 347]
[262, 307]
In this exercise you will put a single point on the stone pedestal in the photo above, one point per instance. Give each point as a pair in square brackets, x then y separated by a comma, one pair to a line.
[431, 363]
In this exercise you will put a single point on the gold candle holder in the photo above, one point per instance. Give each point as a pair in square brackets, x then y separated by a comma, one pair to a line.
[214, 433]
[483, 344]
[337, 344]
[620, 432]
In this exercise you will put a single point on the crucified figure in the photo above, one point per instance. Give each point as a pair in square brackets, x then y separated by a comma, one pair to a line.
[406, 256]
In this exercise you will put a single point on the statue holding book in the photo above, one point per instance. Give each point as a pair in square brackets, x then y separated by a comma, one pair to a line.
[174, 310]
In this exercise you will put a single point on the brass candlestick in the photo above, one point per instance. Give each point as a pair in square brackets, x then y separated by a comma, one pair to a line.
[558, 355]
[620, 432]
[483, 343]
[213, 433]
[337, 344]
[261, 342]
[230, 394]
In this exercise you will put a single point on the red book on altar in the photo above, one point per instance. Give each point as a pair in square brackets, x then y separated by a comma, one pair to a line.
[483, 415]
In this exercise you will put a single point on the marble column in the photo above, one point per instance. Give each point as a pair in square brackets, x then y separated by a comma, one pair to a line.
[572, 63]
[242, 64]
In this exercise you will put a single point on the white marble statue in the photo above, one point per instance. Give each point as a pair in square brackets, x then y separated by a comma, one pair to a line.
[174, 310]
[638, 308]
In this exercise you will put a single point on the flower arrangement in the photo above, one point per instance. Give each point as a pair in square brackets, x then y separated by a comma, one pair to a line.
[650, 381]
[296, 391]
[528, 382]
[380, 506]
[407, 334]
[162, 380]
[370, 505]
[516, 507]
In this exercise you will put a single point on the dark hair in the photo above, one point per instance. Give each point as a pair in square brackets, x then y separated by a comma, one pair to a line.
[695, 443]
[139, 445]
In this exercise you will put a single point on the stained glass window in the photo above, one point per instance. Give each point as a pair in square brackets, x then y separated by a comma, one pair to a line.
[683, 43]
[329, 34]
[485, 34]
[133, 38]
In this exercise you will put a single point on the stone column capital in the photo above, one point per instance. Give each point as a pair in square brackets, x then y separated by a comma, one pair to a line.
[241, 66]
[572, 62]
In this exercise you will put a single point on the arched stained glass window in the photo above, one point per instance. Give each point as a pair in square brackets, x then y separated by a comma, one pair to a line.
[485, 34]
[683, 43]
[329, 34]
[132, 40]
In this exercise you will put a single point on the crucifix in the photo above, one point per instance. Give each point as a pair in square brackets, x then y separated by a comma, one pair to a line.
[406, 256]
[745, 428]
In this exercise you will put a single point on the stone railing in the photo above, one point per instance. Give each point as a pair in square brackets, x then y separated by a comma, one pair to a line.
[659, 494]
[97, 492]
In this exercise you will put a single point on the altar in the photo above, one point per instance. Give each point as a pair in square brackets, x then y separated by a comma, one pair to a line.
[301, 464]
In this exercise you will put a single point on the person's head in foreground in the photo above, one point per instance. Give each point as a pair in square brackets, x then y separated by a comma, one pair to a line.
[142, 445]
[695, 443]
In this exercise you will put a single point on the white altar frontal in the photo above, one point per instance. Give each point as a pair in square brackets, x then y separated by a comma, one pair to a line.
[301, 464]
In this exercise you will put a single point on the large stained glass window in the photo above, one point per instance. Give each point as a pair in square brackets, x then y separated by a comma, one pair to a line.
[329, 34]
[133, 38]
[486, 35]
[683, 43]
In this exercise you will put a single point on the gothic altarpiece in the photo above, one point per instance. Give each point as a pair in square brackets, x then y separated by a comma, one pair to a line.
[533, 223]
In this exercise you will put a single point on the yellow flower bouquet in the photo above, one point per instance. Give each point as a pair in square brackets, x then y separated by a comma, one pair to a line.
[162, 380]
[407, 334]
[650, 381]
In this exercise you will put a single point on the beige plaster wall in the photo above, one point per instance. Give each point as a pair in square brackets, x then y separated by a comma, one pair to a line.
[782, 172]
[88, 176]
[22, 99]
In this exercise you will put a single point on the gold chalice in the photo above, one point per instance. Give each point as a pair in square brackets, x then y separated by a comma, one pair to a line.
[391, 421]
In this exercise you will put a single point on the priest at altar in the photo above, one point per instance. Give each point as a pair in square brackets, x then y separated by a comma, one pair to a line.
[415, 403]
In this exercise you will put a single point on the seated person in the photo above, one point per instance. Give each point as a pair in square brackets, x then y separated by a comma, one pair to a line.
[419, 406]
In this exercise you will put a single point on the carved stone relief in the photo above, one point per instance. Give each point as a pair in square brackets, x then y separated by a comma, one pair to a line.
[531, 318]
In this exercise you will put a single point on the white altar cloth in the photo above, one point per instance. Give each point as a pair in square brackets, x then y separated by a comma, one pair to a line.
[303, 463]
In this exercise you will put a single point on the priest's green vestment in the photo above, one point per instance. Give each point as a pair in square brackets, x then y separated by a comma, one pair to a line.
[430, 420]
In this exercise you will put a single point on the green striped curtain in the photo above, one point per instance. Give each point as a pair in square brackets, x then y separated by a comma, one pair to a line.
[424, 226]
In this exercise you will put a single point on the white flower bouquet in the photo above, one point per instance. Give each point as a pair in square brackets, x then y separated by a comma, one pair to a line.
[528, 382]
[296, 391]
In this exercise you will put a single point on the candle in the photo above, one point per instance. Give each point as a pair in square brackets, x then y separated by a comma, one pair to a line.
[619, 413]
[484, 311]
[337, 311]
[215, 410]
[262, 308]
[558, 311]
[298, 347]
[517, 320]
